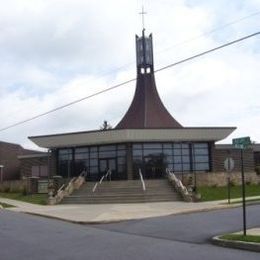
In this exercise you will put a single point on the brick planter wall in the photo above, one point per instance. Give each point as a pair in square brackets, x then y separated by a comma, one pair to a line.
[218, 178]
[14, 186]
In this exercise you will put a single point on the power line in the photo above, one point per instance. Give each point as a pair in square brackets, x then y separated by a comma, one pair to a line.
[219, 28]
[129, 81]
[126, 65]
[68, 104]
[208, 51]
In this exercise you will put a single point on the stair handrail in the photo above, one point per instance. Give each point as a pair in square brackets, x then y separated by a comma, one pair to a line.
[66, 190]
[108, 173]
[180, 188]
[142, 179]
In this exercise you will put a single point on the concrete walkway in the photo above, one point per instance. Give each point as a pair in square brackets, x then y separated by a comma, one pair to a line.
[102, 213]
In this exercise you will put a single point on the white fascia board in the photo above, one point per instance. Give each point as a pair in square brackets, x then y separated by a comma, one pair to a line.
[132, 135]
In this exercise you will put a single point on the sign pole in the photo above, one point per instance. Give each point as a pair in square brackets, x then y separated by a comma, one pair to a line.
[229, 166]
[243, 192]
[228, 190]
[242, 143]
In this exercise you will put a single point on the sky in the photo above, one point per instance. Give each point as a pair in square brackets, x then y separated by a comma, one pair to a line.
[53, 52]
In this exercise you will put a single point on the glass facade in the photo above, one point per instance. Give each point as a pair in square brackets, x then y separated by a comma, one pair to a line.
[154, 158]
[151, 158]
[96, 160]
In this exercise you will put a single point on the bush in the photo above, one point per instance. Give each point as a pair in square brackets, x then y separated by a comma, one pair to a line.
[233, 183]
[6, 189]
[24, 191]
[248, 182]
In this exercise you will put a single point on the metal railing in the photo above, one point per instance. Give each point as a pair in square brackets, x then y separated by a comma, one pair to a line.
[142, 179]
[109, 173]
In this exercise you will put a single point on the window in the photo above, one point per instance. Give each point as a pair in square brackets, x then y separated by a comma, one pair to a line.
[137, 152]
[81, 156]
[65, 154]
[182, 157]
[153, 146]
[107, 148]
[200, 157]
[107, 154]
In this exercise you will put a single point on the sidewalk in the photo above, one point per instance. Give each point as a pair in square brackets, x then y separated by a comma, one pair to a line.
[104, 213]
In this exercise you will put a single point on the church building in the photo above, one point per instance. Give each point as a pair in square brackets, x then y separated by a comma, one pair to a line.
[147, 138]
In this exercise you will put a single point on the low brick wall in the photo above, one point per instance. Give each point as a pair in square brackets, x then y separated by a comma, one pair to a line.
[13, 186]
[218, 178]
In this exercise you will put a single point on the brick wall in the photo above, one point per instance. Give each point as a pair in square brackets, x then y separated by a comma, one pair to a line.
[32, 160]
[219, 156]
[8, 158]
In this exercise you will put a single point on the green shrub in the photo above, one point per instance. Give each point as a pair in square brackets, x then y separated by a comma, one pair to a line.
[232, 183]
[24, 192]
[6, 189]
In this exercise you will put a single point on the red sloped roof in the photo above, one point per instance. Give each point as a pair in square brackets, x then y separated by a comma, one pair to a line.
[147, 109]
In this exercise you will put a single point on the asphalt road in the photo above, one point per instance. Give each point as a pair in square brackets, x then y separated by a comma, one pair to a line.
[173, 237]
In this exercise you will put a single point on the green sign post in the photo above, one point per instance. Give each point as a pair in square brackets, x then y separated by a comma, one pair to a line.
[242, 143]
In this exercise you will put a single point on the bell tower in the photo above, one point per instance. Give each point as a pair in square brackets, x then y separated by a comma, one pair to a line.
[144, 53]
[146, 109]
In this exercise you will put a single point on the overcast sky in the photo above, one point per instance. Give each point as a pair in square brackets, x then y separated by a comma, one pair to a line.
[55, 51]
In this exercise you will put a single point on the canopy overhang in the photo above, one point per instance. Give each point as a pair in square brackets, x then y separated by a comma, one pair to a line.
[192, 134]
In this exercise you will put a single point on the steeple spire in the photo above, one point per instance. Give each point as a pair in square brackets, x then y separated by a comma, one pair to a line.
[147, 109]
[143, 13]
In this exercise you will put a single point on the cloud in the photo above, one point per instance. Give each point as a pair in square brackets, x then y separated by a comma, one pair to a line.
[53, 52]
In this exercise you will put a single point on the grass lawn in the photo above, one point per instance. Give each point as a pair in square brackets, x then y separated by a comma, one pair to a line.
[40, 199]
[220, 193]
[238, 237]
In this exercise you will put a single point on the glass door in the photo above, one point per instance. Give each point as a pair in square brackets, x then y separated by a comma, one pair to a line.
[153, 167]
[108, 164]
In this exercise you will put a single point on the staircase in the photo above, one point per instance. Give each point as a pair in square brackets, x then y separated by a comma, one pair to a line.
[130, 191]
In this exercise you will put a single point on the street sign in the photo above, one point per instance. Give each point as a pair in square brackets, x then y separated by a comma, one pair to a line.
[242, 142]
[229, 164]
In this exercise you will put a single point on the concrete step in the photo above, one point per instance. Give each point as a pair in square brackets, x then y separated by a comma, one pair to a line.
[123, 192]
[105, 200]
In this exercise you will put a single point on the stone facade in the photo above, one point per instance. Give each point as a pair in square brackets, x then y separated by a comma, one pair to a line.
[217, 178]
[13, 186]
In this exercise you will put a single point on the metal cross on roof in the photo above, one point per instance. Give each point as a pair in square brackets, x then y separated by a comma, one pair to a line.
[143, 13]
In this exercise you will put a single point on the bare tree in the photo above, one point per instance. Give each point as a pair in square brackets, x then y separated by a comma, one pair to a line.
[105, 126]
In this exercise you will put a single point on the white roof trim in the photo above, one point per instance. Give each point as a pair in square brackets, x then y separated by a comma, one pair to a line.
[132, 135]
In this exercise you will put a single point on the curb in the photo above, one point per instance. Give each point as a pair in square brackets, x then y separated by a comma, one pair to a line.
[80, 222]
[108, 221]
[249, 246]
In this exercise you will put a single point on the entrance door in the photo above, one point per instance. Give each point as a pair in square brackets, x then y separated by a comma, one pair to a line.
[108, 164]
[153, 167]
